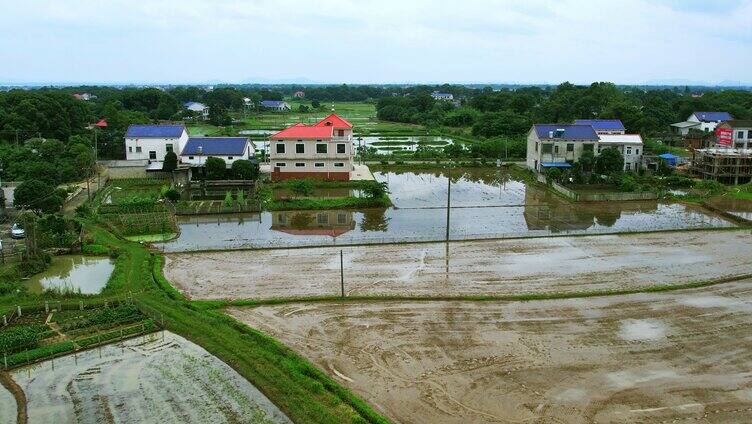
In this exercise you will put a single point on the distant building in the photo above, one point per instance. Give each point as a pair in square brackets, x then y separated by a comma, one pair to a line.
[247, 101]
[277, 105]
[84, 96]
[561, 145]
[299, 95]
[697, 94]
[152, 142]
[736, 133]
[442, 96]
[324, 150]
[728, 166]
[200, 109]
[703, 121]
[230, 149]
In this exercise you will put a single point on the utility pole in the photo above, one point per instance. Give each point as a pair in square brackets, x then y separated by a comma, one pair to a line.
[449, 197]
[341, 273]
[96, 157]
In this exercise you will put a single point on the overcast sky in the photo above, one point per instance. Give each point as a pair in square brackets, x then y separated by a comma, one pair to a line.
[359, 41]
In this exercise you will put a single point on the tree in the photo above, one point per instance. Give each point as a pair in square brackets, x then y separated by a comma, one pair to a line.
[315, 104]
[609, 161]
[38, 196]
[170, 162]
[218, 116]
[587, 161]
[215, 168]
[301, 188]
[244, 170]
[501, 123]
[376, 190]
[302, 108]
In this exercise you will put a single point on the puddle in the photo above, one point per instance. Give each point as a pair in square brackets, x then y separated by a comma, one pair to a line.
[86, 274]
[739, 207]
[642, 329]
[714, 302]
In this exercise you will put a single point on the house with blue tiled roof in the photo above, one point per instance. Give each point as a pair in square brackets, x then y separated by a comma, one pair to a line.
[277, 105]
[151, 143]
[702, 121]
[230, 149]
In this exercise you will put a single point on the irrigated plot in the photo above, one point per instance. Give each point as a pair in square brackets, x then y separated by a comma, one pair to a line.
[7, 406]
[639, 358]
[157, 378]
[498, 267]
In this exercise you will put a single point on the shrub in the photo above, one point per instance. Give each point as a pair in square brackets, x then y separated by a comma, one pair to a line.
[244, 170]
[172, 195]
[216, 168]
[553, 174]
[22, 337]
[710, 187]
[301, 188]
[626, 183]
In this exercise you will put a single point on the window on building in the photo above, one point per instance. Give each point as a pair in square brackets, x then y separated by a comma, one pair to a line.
[299, 148]
[627, 166]
[536, 147]
[190, 157]
[322, 218]
[740, 134]
[321, 148]
[229, 157]
[168, 147]
[152, 154]
[341, 148]
[282, 218]
[588, 147]
[570, 147]
[339, 165]
[130, 149]
[629, 150]
[340, 133]
[749, 134]
[300, 164]
[556, 149]
[138, 149]
[280, 164]
[546, 148]
[280, 147]
[319, 164]
[341, 218]
[637, 151]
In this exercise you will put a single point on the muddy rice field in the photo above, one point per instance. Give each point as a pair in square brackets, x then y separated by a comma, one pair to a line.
[559, 264]
[157, 378]
[678, 356]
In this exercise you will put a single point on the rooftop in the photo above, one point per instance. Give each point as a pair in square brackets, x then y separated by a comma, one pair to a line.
[323, 129]
[215, 146]
[739, 123]
[713, 116]
[335, 121]
[565, 132]
[602, 124]
[272, 103]
[621, 138]
[155, 131]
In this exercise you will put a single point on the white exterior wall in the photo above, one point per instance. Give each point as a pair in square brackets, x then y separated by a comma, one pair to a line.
[197, 160]
[558, 153]
[632, 153]
[158, 145]
[310, 157]
[704, 126]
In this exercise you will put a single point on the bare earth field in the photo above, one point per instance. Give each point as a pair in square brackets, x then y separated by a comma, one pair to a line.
[144, 380]
[557, 264]
[679, 356]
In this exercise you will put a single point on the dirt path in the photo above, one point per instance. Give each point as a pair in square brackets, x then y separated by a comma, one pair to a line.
[557, 264]
[18, 394]
[664, 357]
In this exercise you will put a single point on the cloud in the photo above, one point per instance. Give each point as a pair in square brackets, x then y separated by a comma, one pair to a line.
[375, 41]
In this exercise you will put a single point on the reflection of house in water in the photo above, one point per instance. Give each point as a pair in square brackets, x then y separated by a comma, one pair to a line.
[546, 211]
[238, 218]
[313, 223]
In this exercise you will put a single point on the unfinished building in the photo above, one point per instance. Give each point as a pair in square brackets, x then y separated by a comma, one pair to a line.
[727, 166]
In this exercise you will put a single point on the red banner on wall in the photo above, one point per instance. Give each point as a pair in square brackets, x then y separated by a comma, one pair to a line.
[724, 137]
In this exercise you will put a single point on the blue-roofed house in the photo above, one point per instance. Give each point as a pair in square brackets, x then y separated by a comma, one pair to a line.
[442, 96]
[703, 121]
[557, 145]
[150, 143]
[604, 126]
[277, 105]
[201, 110]
[230, 149]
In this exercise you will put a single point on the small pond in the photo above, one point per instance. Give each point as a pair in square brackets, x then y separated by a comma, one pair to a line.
[87, 274]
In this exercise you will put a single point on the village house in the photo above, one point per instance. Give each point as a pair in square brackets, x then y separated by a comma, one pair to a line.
[229, 149]
[84, 96]
[276, 105]
[727, 165]
[442, 96]
[299, 94]
[152, 142]
[736, 133]
[201, 110]
[323, 150]
[561, 145]
[703, 121]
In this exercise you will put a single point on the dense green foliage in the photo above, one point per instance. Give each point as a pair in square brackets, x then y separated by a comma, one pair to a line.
[39, 196]
[20, 337]
[243, 169]
[216, 168]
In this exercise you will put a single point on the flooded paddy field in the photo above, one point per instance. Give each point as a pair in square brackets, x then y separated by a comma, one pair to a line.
[159, 378]
[73, 273]
[738, 207]
[7, 406]
[664, 357]
[498, 267]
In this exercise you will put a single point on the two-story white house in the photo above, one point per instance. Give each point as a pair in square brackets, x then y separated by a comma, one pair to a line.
[152, 142]
[324, 150]
[442, 96]
[741, 133]
[703, 121]
[561, 145]
[230, 149]
[201, 110]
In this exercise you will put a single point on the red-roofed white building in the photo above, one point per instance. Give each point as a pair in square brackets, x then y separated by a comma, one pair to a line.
[324, 150]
